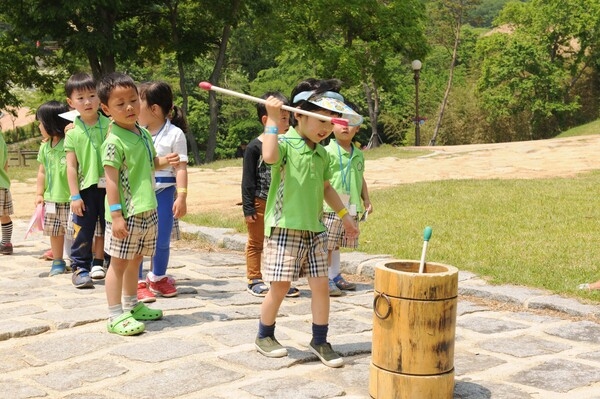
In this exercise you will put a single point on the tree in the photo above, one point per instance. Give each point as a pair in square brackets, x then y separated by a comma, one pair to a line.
[353, 41]
[451, 14]
[18, 68]
[530, 71]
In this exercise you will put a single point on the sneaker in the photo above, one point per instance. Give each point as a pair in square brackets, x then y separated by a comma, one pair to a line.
[98, 272]
[293, 292]
[143, 293]
[326, 354]
[58, 267]
[6, 249]
[333, 289]
[81, 279]
[270, 347]
[343, 284]
[48, 255]
[162, 287]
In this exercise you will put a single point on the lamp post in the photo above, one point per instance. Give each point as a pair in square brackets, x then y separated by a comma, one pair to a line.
[416, 67]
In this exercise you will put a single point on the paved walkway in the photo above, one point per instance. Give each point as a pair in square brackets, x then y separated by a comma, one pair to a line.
[54, 344]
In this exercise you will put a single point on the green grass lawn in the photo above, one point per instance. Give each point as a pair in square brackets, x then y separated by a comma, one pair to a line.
[536, 233]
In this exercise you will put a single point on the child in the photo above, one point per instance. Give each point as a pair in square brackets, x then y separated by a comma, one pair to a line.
[296, 239]
[129, 159]
[52, 183]
[166, 123]
[347, 164]
[85, 174]
[256, 178]
[6, 205]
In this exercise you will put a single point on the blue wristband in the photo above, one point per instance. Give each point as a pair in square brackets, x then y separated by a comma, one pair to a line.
[115, 207]
[75, 197]
[271, 130]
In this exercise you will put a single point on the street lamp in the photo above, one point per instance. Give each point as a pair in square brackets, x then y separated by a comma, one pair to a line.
[416, 67]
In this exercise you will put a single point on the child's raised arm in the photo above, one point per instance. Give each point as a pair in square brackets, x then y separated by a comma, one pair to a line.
[270, 147]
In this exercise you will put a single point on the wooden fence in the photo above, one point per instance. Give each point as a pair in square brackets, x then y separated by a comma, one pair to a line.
[21, 157]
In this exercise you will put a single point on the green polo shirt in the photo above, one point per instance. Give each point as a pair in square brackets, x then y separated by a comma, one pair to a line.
[54, 160]
[86, 143]
[4, 180]
[133, 156]
[295, 199]
[347, 170]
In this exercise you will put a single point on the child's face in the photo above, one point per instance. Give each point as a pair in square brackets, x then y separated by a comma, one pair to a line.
[86, 102]
[284, 121]
[344, 134]
[146, 114]
[315, 129]
[43, 131]
[123, 106]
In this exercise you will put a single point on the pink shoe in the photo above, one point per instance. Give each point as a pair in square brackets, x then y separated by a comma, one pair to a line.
[48, 255]
[143, 293]
[162, 287]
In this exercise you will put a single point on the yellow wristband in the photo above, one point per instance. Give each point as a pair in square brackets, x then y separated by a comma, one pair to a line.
[182, 190]
[342, 213]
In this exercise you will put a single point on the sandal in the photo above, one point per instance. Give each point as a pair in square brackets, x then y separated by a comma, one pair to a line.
[343, 284]
[143, 312]
[257, 287]
[125, 325]
[587, 287]
[293, 292]
[58, 267]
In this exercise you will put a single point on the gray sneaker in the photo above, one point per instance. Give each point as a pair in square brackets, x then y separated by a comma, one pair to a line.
[326, 354]
[333, 289]
[269, 347]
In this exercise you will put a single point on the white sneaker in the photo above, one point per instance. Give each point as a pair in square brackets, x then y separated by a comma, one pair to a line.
[98, 272]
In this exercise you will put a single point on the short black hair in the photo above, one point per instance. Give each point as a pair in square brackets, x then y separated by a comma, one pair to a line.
[111, 81]
[47, 115]
[79, 81]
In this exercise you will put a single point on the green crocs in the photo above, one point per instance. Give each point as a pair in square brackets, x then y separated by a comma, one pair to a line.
[125, 325]
[143, 312]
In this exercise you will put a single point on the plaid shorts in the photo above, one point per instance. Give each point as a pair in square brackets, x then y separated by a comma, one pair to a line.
[55, 224]
[336, 236]
[6, 204]
[141, 240]
[288, 253]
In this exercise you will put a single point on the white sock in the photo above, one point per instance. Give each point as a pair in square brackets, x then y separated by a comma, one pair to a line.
[334, 267]
[115, 311]
[129, 302]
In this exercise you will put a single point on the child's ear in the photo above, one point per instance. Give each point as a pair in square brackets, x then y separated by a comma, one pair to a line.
[105, 109]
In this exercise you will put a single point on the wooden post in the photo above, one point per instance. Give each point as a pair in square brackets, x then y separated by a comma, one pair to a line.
[413, 331]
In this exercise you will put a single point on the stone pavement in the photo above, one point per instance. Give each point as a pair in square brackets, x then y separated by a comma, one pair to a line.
[54, 344]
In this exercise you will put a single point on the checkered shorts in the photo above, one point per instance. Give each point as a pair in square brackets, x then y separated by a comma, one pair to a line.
[336, 235]
[6, 204]
[289, 253]
[55, 224]
[141, 240]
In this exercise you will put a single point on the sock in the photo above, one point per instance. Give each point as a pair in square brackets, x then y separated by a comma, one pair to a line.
[152, 277]
[115, 311]
[98, 262]
[334, 267]
[319, 333]
[129, 301]
[7, 230]
[266, 331]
